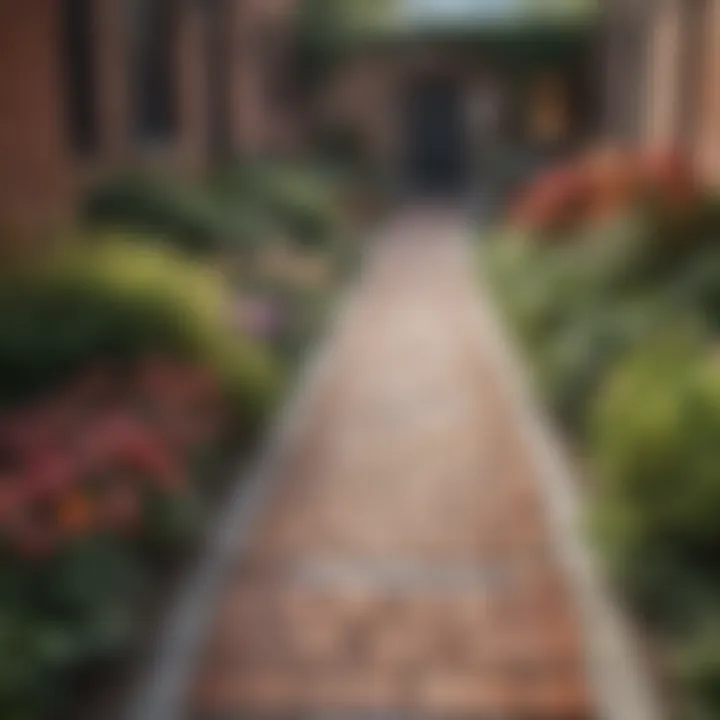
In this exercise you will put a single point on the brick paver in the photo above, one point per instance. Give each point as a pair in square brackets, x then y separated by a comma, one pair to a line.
[404, 568]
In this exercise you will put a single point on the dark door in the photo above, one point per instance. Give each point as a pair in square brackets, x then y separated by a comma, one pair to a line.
[437, 159]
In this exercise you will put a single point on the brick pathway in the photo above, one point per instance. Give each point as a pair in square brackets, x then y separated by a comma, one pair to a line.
[404, 567]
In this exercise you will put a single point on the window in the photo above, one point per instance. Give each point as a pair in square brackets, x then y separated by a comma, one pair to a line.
[218, 38]
[77, 30]
[153, 69]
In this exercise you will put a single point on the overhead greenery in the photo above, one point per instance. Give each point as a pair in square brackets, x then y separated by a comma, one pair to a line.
[328, 30]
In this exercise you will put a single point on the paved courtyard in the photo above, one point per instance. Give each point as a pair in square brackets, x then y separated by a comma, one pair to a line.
[404, 565]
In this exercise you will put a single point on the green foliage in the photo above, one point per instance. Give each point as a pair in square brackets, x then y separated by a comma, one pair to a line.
[575, 309]
[103, 301]
[297, 202]
[118, 300]
[242, 206]
[697, 664]
[620, 323]
[656, 439]
[328, 26]
[189, 217]
[655, 448]
[59, 616]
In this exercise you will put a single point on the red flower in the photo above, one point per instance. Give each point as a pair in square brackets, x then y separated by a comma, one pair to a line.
[50, 473]
[669, 177]
[76, 515]
[121, 507]
[554, 201]
[12, 499]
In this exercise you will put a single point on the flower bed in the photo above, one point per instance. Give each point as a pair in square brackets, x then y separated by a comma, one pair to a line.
[599, 186]
[135, 362]
[616, 299]
[97, 481]
[123, 383]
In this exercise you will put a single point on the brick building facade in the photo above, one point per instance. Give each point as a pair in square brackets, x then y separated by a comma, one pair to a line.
[91, 87]
[663, 76]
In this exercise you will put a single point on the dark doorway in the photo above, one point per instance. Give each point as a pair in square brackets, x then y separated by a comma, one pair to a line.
[436, 136]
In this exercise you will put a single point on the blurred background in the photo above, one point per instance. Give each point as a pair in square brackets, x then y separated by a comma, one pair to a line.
[186, 186]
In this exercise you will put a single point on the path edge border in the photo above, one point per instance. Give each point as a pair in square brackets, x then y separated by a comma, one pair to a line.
[619, 677]
[162, 693]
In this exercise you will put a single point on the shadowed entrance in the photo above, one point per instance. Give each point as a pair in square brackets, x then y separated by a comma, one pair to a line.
[436, 137]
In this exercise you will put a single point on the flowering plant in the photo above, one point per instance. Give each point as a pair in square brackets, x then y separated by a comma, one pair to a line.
[85, 461]
[604, 185]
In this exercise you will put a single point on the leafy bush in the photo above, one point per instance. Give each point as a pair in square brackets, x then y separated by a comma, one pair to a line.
[697, 664]
[575, 310]
[188, 216]
[655, 441]
[58, 616]
[655, 447]
[118, 301]
[298, 202]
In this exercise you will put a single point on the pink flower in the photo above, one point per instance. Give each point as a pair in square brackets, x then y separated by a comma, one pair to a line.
[121, 508]
[12, 499]
[258, 318]
[51, 472]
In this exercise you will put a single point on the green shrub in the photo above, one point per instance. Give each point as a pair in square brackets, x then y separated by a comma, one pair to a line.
[188, 216]
[695, 286]
[696, 663]
[573, 362]
[655, 446]
[59, 616]
[298, 202]
[116, 300]
[574, 309]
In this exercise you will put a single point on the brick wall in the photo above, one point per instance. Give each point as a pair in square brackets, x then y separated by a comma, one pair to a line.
[708, 144]
[41, 177]
[33, 177]
[682, 81]
[660, 123]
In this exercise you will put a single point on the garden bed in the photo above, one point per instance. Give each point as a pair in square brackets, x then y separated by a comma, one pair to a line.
[136, 369]
[103, 690]
[608, 272]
